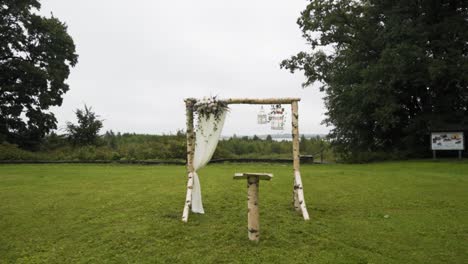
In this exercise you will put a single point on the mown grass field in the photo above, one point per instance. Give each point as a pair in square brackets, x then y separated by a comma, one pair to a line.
[398, 212]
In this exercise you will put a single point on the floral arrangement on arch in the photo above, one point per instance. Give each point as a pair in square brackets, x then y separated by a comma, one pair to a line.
[208, 106]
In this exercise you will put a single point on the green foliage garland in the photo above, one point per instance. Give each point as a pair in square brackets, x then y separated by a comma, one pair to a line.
[208, 106]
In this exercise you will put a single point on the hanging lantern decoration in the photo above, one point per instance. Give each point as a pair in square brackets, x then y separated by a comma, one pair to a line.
[277, 117]
[262, 117]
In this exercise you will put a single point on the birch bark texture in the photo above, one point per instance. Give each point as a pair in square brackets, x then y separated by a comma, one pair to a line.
[253, 215]
[252, 205]
[190, 151]
[298, 192]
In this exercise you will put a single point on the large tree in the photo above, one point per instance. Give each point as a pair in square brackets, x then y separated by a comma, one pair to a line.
[391, 70]
[36, 54]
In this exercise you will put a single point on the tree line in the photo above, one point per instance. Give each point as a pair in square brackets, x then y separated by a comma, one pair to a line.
[139, 147]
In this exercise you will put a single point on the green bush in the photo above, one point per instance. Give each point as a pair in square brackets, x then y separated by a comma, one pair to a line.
[127, 147]
[12, 152]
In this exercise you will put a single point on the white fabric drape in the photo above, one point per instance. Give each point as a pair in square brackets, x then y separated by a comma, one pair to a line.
[207, 135]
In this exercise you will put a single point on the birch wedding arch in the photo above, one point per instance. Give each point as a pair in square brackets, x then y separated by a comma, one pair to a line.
[202, 140]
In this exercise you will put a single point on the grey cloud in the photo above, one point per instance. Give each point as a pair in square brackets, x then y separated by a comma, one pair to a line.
[139, 59]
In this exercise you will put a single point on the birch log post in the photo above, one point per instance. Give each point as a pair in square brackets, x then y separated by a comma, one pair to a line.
[298, 192]
[300, 195]
[190, 152]
[252, 205]
[253, 216]
[296, 204]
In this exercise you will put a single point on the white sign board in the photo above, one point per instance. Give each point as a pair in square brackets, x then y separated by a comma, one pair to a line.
[447, 141]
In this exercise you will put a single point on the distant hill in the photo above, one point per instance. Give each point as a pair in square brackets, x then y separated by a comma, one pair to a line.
[276, 137]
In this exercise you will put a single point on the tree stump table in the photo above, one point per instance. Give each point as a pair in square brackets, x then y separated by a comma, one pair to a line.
[253, 182]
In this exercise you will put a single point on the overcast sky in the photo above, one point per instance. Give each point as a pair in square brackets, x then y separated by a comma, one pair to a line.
[139, 59]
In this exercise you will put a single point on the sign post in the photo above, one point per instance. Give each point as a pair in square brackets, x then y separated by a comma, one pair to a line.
[447, 141]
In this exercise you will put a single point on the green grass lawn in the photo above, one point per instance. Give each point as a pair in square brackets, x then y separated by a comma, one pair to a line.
[398, 212]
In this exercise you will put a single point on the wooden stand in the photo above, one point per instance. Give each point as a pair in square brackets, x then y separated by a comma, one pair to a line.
[253, 217]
